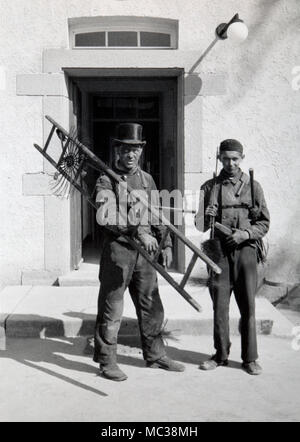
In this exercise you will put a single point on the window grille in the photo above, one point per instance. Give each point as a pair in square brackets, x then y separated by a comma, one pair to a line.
[123, 33]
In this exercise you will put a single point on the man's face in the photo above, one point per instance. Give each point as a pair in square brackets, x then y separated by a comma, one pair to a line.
[129, 155]
[231, 161]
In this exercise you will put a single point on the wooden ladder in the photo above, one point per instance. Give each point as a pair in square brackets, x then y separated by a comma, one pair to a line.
[87, 157]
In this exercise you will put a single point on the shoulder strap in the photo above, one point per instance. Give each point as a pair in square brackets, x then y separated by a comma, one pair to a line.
[245, 178]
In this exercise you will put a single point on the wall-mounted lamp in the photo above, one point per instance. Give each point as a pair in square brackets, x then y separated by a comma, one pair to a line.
[235, 30]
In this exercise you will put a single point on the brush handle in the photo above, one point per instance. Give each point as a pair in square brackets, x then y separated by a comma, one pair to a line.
[212, 218]
[251, 174]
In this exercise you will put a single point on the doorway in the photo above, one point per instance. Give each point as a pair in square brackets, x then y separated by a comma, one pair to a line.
[108, 110]
[150, 101]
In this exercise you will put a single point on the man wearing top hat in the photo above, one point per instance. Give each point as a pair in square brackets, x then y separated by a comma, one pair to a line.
[228, 200]
[122, 266]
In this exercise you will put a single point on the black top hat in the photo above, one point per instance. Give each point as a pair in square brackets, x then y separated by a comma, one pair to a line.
[129, 133]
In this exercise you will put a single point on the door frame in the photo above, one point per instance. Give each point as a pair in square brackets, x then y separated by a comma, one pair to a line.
[153, 83]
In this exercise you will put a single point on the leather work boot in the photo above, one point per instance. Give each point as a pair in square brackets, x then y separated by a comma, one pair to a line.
[212, 363]
[112, 372]
[166, 364]
[252, 368]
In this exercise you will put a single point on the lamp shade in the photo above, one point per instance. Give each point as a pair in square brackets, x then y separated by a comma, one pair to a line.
[237, 31]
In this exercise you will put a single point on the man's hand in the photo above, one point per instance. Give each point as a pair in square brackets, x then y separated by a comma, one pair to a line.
[237, 237]
[211, 210]
[149, 242]
[167, 256]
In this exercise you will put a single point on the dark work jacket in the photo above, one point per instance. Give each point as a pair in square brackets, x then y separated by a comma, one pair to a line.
[138, 180]
[236, 191]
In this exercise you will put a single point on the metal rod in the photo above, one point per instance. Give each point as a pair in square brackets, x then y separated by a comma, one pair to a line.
[207, 50]
[213, 218]
[176, 209]
[251, 174]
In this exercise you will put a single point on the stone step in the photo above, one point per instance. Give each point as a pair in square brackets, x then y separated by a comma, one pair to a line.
[87, 275]
[70, 311]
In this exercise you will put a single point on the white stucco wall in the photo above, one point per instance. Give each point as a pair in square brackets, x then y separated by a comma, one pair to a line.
[260, 109]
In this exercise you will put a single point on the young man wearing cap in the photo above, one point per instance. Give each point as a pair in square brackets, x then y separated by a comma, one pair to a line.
[228, 200]
[121, 265]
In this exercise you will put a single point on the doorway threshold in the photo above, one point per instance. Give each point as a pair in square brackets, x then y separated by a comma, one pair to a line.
[87, 275]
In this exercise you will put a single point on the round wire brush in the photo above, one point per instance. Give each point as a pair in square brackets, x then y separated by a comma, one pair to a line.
[70, 165]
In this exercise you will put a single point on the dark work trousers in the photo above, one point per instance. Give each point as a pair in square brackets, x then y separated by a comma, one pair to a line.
[239, 274]
[123, 267]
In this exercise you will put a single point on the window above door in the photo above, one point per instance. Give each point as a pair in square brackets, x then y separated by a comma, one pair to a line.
[123, 33]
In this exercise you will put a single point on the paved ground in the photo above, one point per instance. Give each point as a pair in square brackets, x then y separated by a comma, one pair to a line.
[52, 380]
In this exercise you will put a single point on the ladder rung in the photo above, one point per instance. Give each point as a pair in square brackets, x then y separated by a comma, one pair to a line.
[49, 138]
[63, 152]
[188, 270]
[165, 274]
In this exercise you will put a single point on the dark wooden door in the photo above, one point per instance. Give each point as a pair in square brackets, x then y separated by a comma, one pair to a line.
[151, 102]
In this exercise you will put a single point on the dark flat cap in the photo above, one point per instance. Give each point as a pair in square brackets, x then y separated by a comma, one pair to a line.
[231, 144]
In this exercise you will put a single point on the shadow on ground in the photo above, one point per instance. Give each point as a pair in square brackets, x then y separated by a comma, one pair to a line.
[63, 352]
[34, 352]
